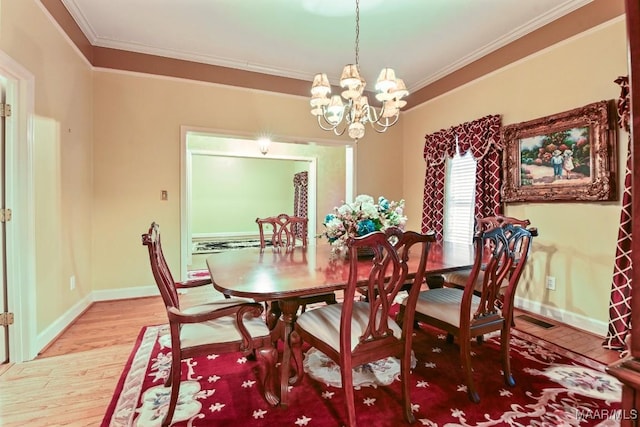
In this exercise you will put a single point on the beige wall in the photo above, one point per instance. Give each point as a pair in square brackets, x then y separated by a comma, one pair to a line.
[137, 154]
[62, 155]
[108, 142]
[577, 240]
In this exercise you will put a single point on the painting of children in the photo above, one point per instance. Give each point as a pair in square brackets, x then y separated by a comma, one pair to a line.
[567, 163]
[557, 162]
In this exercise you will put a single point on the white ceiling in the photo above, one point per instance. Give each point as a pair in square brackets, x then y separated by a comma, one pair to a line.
[423, 40]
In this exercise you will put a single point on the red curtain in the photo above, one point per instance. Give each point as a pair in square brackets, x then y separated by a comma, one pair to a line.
[620, 303]
[300, 199]
[483, 138]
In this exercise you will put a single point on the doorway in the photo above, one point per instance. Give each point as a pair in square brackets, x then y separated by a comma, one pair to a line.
[17, 247]
[330, 169]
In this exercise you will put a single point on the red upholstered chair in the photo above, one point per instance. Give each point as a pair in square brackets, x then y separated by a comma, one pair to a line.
[501, 254]
[353, 332]
[217, 326]
[286, 231]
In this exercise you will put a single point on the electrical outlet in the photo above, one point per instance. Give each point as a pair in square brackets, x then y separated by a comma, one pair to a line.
[551, 283]
[72, 283]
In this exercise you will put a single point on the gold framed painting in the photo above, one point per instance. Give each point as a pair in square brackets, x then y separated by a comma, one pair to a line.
[567, 156]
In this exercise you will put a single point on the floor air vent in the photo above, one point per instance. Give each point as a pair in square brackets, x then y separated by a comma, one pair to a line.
[535, 321]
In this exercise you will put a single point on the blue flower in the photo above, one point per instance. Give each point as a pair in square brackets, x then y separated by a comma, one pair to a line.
[329, 217]
[366, 226]
[383, 204]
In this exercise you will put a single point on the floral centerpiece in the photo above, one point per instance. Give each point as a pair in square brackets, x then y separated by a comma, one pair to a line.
[361, 217]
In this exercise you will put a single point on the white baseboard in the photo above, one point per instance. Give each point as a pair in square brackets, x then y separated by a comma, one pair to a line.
[576, 320]
[125, 293]
[239, 235]
[59, 325]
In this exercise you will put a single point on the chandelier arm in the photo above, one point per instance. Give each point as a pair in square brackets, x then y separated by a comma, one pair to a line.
[331, 126]
[388, 123]
[322, 118]
[380, 127]
[335, 130]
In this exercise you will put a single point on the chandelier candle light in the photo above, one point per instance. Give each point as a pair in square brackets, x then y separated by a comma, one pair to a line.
[334, 115]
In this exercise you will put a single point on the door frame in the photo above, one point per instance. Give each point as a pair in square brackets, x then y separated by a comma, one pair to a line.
[185, 177]
[20, 196]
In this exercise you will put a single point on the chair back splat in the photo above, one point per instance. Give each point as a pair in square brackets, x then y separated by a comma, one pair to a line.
[216, 326]
[286, 231]
[353, 332]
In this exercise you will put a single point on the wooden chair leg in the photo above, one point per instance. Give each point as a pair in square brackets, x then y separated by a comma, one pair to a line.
[167, 382]
[465, 355]
[349, 395]
[175, 389]
[506, 362]
[405, 370]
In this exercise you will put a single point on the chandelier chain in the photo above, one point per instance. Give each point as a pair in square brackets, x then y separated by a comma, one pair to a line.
[334, 115]
[358, 34]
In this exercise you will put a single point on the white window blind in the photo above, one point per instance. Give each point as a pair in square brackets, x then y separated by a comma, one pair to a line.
[460, 191]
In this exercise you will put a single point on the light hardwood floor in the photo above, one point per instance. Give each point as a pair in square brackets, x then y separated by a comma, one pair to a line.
[72, 381]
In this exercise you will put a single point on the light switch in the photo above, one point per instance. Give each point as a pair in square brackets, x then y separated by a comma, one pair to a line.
[164, 195]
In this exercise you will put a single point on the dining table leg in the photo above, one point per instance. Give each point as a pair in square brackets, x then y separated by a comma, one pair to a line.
[289, 309]
[273, 314]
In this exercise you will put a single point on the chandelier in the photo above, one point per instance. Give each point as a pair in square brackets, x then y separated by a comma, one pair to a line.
[335, 115]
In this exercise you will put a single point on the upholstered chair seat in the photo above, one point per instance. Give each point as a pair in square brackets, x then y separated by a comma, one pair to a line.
[324, 323]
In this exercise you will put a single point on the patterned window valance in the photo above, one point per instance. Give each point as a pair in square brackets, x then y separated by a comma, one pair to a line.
[483, 138]
[478, 136]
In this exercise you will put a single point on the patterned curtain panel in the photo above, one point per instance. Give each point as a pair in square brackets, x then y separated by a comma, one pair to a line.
[300, 199]
[620, 304]
[483, 138]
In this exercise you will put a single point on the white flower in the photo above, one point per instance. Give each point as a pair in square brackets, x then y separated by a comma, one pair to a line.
[364, 198]
[361, 217]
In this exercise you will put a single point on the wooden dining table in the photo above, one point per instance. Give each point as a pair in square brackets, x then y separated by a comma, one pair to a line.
[284, 276]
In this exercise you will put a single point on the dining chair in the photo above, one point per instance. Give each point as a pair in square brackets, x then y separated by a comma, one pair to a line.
[501, 254]
[286, 231]
[217, 326]
[352, 333]
[459, 278]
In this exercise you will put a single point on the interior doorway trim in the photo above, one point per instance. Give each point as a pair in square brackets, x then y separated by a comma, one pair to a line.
[311, 168]
[185, 176]
[20, 199]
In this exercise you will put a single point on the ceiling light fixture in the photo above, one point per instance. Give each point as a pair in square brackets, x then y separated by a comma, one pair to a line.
[263, 145]
[334, 115]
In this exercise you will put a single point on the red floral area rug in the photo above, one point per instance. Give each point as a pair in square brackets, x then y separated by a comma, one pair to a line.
[554, 387]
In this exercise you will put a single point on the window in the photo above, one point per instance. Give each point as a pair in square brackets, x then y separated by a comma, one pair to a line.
[459, 198]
